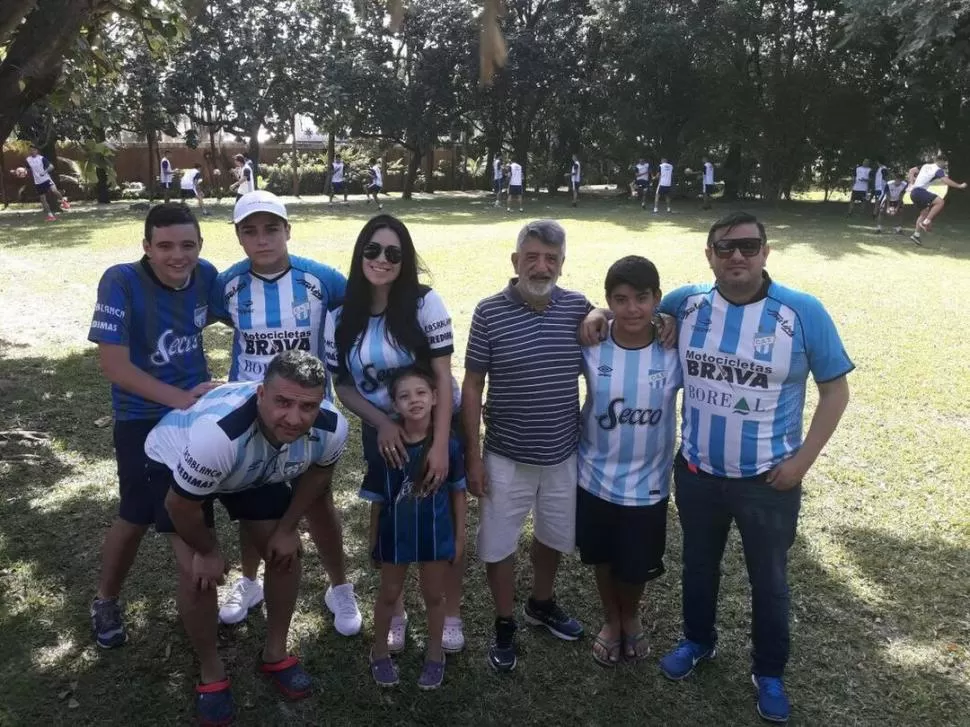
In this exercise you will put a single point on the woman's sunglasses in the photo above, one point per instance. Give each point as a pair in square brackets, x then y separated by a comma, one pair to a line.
[392, 253]
[749, 247]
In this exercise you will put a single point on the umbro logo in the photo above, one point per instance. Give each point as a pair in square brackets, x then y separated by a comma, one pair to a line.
[605, 370]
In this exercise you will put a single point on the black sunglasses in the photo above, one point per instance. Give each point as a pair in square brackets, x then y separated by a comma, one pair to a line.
[392, 253]
[749, 247]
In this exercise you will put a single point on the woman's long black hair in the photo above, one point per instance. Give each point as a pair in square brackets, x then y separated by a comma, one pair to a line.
[401, 314]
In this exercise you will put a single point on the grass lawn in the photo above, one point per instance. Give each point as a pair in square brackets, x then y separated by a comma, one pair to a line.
[879, 573]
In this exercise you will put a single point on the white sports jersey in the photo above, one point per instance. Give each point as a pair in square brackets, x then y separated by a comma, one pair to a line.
[218, 446]
[271, 316]
[861, 183]
[189, 179]
[928, 173]
[38, 168]
[643, 171]
[576, 173]
[629, 422]
[374, 359]
[880, 177]
[247, 179]
[338, 172]
[497, 172]
[377, 175]
[745, 368]
[165, 171]
[515, 174]
[708, 174]
[666, 174]
[894, 190]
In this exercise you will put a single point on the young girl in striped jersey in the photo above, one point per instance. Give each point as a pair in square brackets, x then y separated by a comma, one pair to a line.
[412, 523]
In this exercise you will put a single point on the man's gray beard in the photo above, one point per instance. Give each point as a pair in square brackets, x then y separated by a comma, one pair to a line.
[538, 290]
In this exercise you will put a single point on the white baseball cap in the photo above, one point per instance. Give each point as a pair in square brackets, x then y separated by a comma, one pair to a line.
[258, 201]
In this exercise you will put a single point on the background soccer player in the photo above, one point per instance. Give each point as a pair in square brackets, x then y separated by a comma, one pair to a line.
[860, 186]
[708, 182]
[516, 184]
[498, 175]
[337, 184]
[190, 187]
[165, 176]
[928, 203]
[642, 181]
[664, 185]
[891, 201]
[376, 184]
[575, 176]
[40, 169]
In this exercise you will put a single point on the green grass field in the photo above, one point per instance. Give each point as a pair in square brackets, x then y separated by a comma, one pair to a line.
[880, 569]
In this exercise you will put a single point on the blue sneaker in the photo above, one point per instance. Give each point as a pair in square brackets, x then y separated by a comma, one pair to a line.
[679, 663]
[773, 704]
[107, 623]
[501, 654]
[548, 614]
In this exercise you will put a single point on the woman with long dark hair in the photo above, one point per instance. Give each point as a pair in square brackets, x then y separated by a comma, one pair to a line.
[390, 320]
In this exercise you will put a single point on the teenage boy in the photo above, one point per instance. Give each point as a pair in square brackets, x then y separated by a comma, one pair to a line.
[337, 184]
[40, 170]
[928, 203]
[515, 185]
[376, 184]
[665, 185]
[891, 201]
[189, 187]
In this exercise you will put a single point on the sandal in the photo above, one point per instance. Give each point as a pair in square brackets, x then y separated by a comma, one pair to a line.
[289, 678]
[612, 650]
[632, 647]
[214, 704]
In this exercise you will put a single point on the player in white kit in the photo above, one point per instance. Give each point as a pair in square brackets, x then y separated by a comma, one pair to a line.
[665, 185]
[515, 185]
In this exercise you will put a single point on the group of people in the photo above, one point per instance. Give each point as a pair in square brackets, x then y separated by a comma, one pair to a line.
[884, 191]
[266, 443]
[339, 173]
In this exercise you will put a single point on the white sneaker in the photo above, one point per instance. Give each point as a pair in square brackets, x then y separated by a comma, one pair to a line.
[342, 602]
[245, 595]
[452, 638]
[397, 634]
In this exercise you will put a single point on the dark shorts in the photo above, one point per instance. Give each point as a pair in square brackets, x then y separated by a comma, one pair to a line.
[141, 504]
[631, 540]
[187, 193]
[664, 191]
[642, 183]
[515, 190]
[877, 192]
[263, 502]
[166, 185]
[338, 187]
[709, 189]
[922, 198]
[860, 195]
[43, 187]
[574, 185]
[375, 188]
[497, 185]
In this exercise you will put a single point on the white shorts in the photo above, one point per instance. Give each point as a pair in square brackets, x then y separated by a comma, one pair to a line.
[514, 490]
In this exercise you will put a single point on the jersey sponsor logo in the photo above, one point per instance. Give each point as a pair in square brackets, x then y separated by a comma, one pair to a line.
[784, 323]
[604, 370]
[270, 343]
[726, 368]
[764, 343]
[233, 291]
[694, 307]
[724, 399]
[253, 367]
[311, 289]
[374, 378]
[618, 414]
[200, 468]
[301, 311]
[109, 310]
[191, 480]
[104, 326]
[440, 338]
[170, 345]
[432, 327]
[201, 315]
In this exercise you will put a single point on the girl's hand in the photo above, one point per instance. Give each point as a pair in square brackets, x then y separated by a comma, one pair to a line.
[436, 470]
[390, 443]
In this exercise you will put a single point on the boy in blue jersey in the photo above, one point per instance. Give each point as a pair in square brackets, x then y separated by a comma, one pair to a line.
[747, 347]
[148, 323]
[278, 302]
[626, 452]
[267, 452]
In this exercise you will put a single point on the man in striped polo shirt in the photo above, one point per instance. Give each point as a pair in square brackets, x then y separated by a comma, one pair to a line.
[747, 347]
[524, 341]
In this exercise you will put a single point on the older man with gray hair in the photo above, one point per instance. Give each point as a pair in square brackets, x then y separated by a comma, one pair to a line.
[524, 341]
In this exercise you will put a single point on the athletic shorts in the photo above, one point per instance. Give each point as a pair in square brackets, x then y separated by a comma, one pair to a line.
[575, 184]
[187, 193]
[262, 502]
[860, 195]
[664, 191]
[140, 502]
[44, 187]
[515, 490]
[166, 185]
[631, 540]
[497, 185]
[338, 187]
[642, 183]
[515, 190]
[709, 189]
[877, 193]
[375, 188]
[921, 197]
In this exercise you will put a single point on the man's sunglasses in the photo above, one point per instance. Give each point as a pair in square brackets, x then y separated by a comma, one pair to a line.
[392, 253]
[749, 247]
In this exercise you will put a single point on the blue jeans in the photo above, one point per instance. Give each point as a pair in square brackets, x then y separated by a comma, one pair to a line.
[766, 519]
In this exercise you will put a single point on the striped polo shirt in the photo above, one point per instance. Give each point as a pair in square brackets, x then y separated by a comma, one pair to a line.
[533, 361]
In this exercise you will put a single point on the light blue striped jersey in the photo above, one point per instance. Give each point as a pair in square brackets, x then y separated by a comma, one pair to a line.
[275, 315]
[745, 368]
[376, 356]
[626, 445]
[218, 446]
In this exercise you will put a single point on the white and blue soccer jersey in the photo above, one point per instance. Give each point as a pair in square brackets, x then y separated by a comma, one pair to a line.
[338, 173]
[160, 326]
[745, 368]
[576, 173]
[375, 356]
[629, 422]
[861, 183]
[928, 173]
[38, 168]
[895, 189]
[880, 183]
[708, 174]
[218, 447]
[643, 172]
[666, 174]
[272, 316]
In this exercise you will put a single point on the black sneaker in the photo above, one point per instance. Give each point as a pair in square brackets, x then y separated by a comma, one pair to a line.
[501, 654]
[548, 614]
[107, 624]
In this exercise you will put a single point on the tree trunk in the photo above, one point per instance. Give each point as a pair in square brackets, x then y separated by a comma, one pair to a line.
[253, 147]
[429, 171]
[103, 193]
[414, 163]
[732, 172]
[152, 153]
[3, 179]
[296, 158]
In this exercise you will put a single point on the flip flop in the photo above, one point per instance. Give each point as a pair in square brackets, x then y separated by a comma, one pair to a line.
[288, 677]
[630, 643]
[610, 647]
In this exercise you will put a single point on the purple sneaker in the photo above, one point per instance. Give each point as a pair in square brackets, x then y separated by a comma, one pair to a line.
[384, 672]
[432, 675]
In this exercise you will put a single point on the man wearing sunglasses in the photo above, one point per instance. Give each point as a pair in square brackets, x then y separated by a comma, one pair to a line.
[278, 302]
[747, 346]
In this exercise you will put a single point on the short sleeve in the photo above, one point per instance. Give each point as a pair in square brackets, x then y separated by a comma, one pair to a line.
[336, 285]
[672, 302]
[205, 462]
[675, 370]
[112, 311]
[826, 355]
[456, 465]
[334, 425]
[330, 342]
[478, 354]
[435, 321]
[218, 310]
